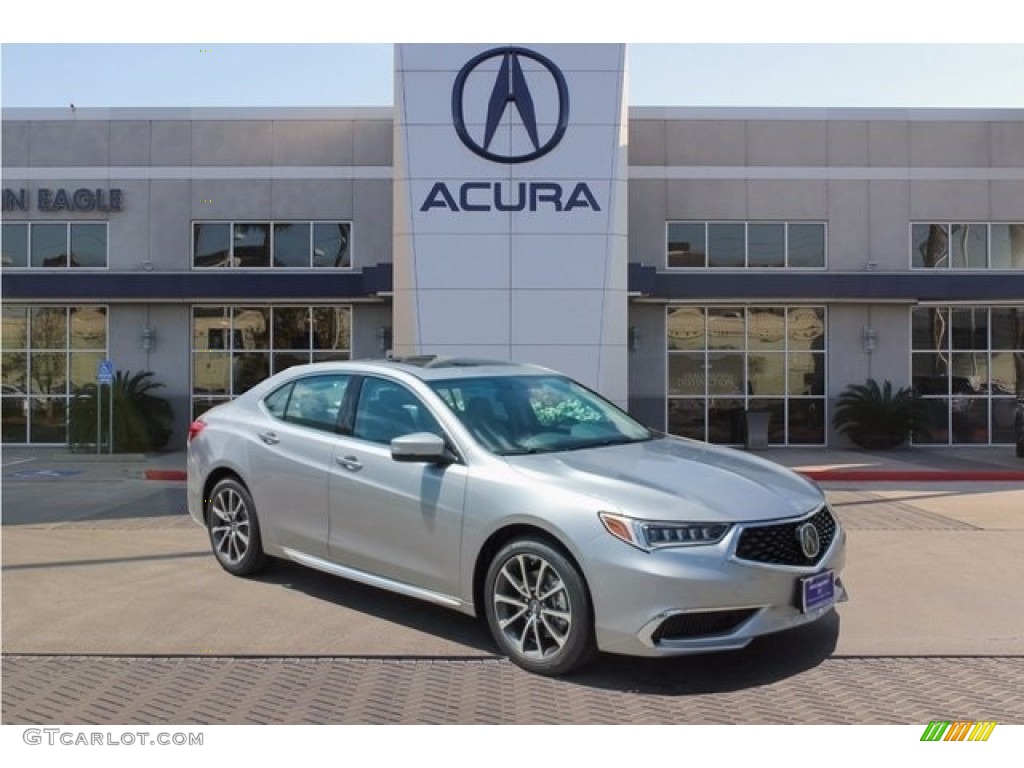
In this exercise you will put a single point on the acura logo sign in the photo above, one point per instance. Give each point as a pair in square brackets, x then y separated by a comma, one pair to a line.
[511, 94]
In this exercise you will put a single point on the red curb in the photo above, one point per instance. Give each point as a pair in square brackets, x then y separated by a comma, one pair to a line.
[913, 476]
[165, 474]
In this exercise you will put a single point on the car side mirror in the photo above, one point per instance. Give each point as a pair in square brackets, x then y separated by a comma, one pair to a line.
[421, 446]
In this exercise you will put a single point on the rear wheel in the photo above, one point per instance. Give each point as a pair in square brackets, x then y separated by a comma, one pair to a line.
[234, 529]
[538, 608]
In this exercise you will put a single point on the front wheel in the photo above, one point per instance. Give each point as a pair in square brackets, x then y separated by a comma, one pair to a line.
[234, 529]
[538, 608]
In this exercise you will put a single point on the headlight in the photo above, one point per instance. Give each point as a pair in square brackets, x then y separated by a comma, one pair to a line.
[651, 534]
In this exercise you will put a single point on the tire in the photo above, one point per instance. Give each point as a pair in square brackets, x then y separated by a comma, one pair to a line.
[538, 608]
[234, 529]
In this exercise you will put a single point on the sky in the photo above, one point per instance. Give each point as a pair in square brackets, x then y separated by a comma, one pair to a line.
[744, 53]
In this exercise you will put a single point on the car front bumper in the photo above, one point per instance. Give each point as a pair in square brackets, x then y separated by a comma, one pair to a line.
[700, 598]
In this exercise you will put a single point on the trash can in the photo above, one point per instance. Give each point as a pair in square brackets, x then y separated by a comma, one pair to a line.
[757, 430]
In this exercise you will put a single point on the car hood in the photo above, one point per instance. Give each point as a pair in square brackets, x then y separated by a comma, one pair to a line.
[676, 479]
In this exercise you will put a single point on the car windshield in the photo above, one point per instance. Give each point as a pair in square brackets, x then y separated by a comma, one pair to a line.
[512, 415]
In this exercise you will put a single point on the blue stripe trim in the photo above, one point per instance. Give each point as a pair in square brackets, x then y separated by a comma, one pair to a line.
[835, 286]
[219, 285]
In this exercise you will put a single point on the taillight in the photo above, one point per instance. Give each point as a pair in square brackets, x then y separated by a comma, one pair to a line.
[195, 428]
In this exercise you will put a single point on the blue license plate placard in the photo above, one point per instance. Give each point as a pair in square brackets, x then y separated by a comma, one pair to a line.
[817, 591]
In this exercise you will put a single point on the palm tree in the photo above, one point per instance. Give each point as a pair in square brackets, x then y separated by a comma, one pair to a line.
[875, 417]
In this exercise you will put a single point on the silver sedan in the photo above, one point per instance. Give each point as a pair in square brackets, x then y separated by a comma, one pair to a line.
[514, 493]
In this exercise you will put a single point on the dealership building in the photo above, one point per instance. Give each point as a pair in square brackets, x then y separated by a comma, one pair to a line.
[694, 265]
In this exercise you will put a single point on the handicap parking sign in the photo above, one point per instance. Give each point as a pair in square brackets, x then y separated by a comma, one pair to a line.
[105, 372]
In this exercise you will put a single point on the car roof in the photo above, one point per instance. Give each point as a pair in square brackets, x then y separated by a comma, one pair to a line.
[434, 367]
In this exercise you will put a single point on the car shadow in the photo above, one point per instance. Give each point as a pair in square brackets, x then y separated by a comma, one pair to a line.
[766, 660]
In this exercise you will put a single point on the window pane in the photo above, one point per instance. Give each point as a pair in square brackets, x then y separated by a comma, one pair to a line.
[331, 328]
[806, 245]
[277, 400]
[83, 368]
[248, 370]
[15, 245]
[686, 374]
[285, 360]
[15, 326]
[969, 328]
[89, 328]
[806, 373]
[930, 373]
[202, 404]
[46, 420]
[1006, 371]
[726, 245]
[806, 422]
[933, 417]
[806, 327]
[930, 327]
[929, 245]
[1007, 328]
[970, 373]
[211, 373]
[15, 419]
[1007, 251]
[210, 327]
[88, 245]
[686, 245]
[291, 244]
[331, 245]
[776, 419]
[970, 420]
[291, 328]
[686, 417]
[251, 328]
[766, 245]
[252, 245]
[970, 246]
[49, 328]
[767, 373]
[48, 372]
[1003, 413]
[726, 328]
[726, 421]
[726, 374]
[329, 357]
[14, 373]
[766, 328]
[685, 328]
[211, 245]
[49, 245]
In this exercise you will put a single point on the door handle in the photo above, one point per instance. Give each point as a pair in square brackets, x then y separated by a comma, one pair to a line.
[270, 438]
[351, 463]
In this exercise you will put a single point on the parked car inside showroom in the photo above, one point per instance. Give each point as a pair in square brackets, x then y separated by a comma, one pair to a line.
[513, 493]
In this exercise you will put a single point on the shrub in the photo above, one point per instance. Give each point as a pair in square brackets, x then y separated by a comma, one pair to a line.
[141, 421]
[875, 417]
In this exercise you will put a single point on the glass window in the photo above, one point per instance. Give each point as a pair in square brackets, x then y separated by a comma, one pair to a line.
[88, 245]
[726, 245]
[737, 245]
[387, 410]
[15, 245]
[331, 245]
[970, 246]
[277, 401]
[687, 246]
[806, 245]
[766, 245]
[211, 245]
[236, 347]
[49, 354]
[967, 372]
[1007, 246]
[251, 245]
[967, 246]
[316, 402]
[291, 244]
[49, 245]
[770, 359]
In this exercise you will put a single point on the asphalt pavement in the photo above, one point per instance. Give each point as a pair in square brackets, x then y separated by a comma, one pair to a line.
[106, 579]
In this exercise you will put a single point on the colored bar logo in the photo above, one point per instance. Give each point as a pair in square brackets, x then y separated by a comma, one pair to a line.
[958, 730]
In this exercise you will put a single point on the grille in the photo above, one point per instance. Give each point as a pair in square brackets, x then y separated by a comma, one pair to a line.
[779, 545]
[688, 625]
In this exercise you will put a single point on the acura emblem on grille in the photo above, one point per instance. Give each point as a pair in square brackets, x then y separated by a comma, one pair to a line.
[810, 542]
